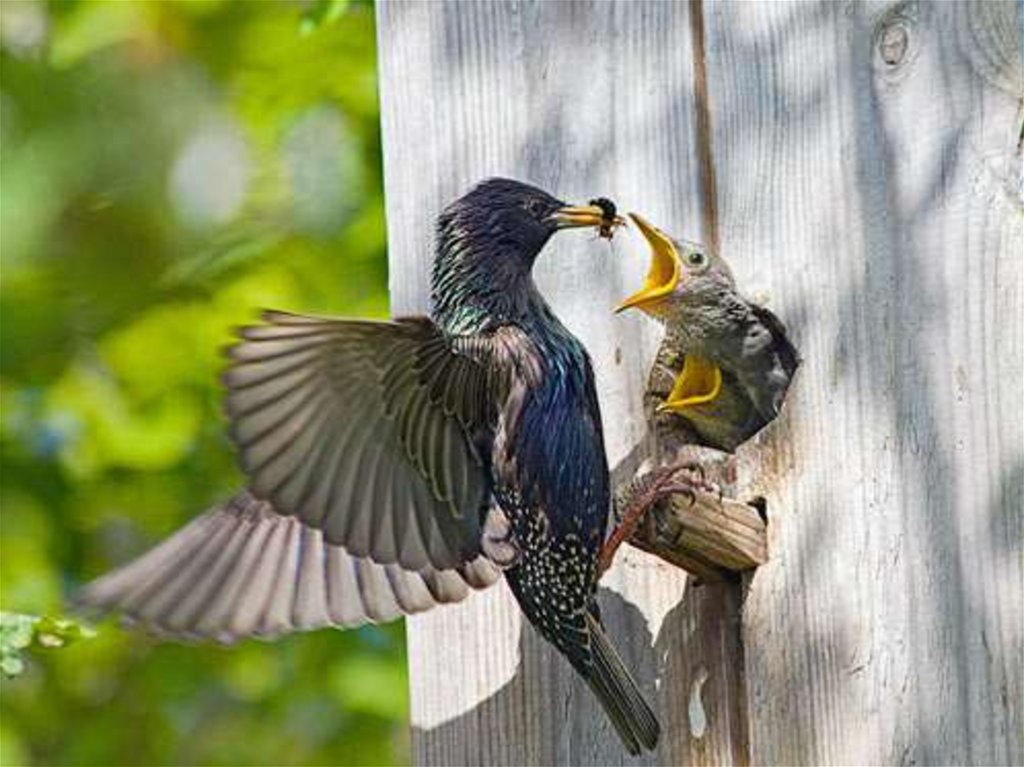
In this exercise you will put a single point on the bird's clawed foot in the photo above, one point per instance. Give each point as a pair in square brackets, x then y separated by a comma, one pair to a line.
[695, 478]
[685, 478]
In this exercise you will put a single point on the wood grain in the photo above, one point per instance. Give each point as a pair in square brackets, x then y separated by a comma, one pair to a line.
[711, 537]
[868, 169]
[867, 164]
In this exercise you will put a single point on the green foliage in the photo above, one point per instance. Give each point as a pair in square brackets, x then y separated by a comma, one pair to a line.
[168, 169]
[19, 632]
[322, 12]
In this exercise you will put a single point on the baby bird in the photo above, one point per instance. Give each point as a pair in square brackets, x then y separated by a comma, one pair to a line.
[732, 360]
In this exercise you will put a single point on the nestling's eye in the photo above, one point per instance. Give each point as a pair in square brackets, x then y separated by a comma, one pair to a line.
[696, 259]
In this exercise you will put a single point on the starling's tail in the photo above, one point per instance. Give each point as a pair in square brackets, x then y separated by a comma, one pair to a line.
[608, 678]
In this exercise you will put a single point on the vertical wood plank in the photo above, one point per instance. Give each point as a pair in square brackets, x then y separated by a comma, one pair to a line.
[867, 162]
[868, 166]
[583, 99]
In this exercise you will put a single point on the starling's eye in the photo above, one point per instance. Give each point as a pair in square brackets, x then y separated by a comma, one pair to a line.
[535, 206]
[696, 259]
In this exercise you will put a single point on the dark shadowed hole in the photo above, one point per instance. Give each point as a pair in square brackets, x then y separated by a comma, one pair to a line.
[760, 503]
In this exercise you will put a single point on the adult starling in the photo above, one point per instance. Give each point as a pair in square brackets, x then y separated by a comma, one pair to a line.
[733, 359]
[426, 446]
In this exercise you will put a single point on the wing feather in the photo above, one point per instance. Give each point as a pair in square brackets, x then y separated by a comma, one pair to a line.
[378, 600]
[361, 506]
[227, 609]
[165, 593]
[197, 593]
[129, 583]
[408, 486]
[323, 493]
[310, 584]
[447, 586]
[411, 594]
[244, 570]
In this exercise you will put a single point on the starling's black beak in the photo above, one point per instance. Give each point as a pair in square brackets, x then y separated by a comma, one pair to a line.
[664, 272]
[573, 216]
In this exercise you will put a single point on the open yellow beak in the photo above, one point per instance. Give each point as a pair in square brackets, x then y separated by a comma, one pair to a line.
[584, 215]
[664, 272]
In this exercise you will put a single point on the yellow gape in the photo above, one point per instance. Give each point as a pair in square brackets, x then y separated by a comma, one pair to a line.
[699, 382]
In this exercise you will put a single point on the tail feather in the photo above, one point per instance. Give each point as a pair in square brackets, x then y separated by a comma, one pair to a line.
[615, 689]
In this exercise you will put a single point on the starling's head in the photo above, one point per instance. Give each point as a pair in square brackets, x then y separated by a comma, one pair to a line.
[507, 220]
[680, 272]
[490, 237]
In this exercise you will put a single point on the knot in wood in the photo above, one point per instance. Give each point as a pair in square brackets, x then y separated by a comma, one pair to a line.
[894, 39]
[893, 42]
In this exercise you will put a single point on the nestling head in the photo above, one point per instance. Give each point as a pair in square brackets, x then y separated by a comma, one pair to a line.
[680, 272]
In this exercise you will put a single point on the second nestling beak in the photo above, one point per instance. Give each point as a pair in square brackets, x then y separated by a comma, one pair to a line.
[664, 272]
[600, 213]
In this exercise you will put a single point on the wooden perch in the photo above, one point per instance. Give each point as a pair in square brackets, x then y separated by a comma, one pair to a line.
[713, 538]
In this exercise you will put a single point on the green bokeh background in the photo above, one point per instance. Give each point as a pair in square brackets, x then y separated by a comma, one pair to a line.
[167, 169]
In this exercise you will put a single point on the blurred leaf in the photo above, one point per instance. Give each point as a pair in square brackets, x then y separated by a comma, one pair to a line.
[58, 632]
[115, 305]
[322, 12]
[371, 684]
[19, 631]
[92, 26]
[27, 580]
[252, 676]
[15, 635]
[104, 428]
[12, 751]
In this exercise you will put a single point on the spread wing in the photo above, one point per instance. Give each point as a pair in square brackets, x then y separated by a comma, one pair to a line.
[366, 431]
[243, 570]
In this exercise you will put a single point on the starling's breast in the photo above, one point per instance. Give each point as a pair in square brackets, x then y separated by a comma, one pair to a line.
[549, 457]
[554, 583]
[551, 480]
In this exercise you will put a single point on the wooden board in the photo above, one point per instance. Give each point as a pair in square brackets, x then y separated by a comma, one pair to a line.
[867, 160]
[583, 100]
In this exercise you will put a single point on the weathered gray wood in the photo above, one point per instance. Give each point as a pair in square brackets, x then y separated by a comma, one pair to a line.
[583, 99]
[868, 164]
[866, 158]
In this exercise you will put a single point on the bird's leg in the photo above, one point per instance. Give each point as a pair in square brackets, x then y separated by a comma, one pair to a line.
[643, 493]
[698, 480]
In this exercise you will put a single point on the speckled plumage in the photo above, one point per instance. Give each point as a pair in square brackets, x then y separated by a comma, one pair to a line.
[548, 466]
